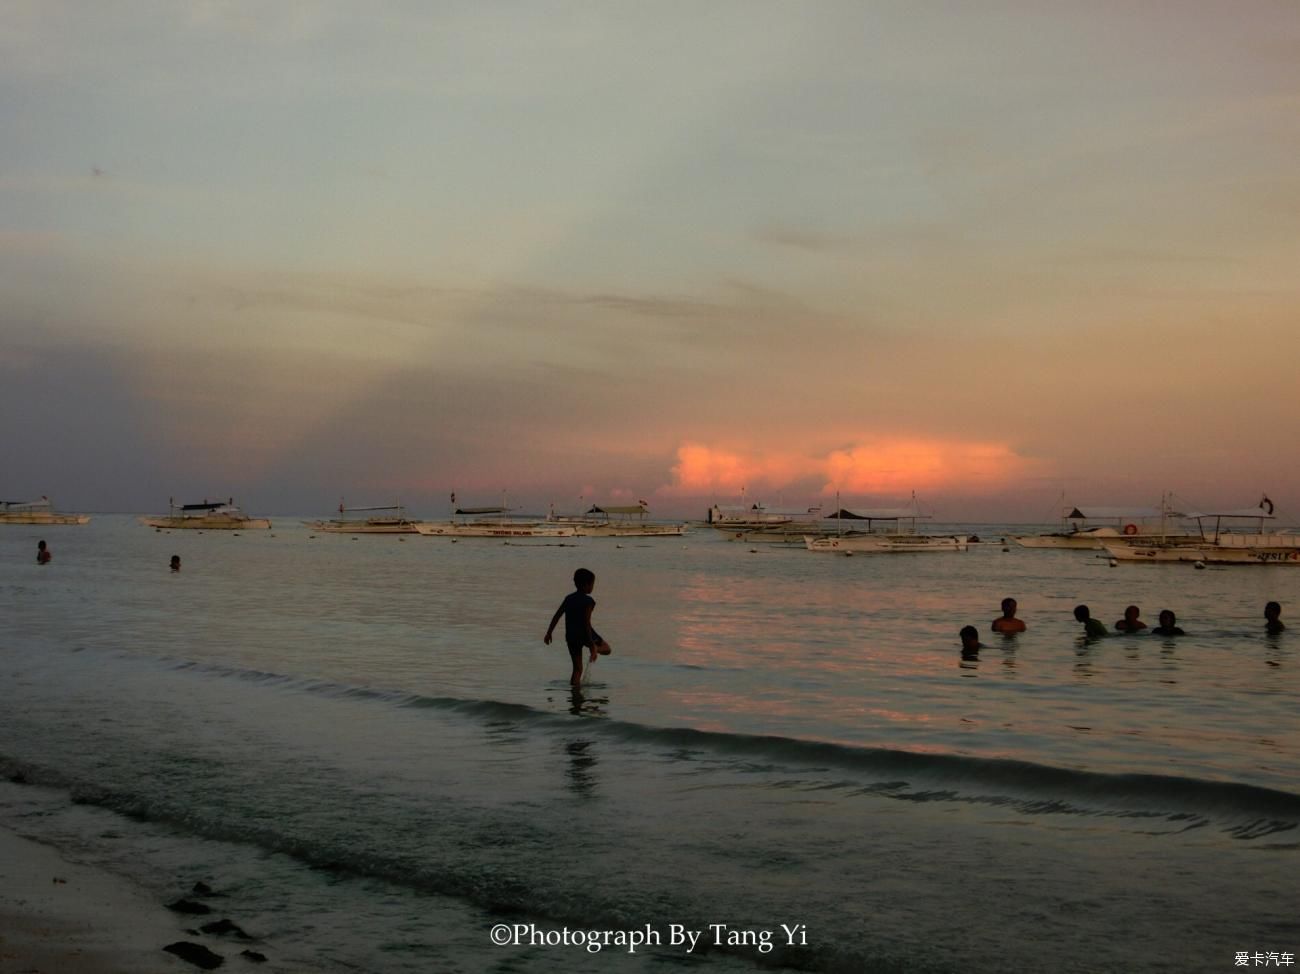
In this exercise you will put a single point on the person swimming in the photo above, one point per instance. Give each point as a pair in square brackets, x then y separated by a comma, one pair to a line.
[1168, 625]
[1131, 622]
[43, 554]
[176, 563]
[1008, 624]
[1273, 623]
[970, 642]
[1092, 628]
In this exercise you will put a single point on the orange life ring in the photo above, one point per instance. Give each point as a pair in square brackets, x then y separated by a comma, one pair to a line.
[1130, 529]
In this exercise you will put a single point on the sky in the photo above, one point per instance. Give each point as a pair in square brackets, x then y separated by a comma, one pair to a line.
[996, 254]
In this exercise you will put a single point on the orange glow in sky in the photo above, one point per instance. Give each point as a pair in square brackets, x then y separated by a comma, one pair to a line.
[878, 466]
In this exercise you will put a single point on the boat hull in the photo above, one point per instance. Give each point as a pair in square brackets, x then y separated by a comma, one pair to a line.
[792, 534]
[885, 544]
[495, 530]
[631, 530]
[206, 523]
[1244, 549]
[41, 518]
[364, 527]
[1096, 539]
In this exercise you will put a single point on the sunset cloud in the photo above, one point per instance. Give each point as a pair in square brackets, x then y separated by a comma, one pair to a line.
[701, 470]
[872, 466]
[889, 466]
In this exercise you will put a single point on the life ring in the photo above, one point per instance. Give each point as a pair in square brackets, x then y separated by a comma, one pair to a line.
[1130, 529]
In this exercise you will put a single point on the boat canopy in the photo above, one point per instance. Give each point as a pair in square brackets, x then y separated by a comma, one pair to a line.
[482, 510]
[1116, 513]
[386, 507]
[607, 509]
[41, 505]
[878, 514]
[1250, 512]
[205, 506]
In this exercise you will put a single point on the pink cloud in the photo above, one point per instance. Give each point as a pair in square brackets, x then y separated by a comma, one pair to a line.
[874, 465]
[702, 469]
[896, 466]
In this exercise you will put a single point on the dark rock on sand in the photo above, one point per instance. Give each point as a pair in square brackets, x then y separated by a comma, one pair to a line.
[196, 954]
[225, 926]
[253, 956]
[201, 889]
[189, 906]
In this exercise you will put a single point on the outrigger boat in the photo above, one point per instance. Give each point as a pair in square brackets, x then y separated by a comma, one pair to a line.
[492, 522]
[606, 521]
[1219, 546]
[208, 516]
[903, 539]
[371, 520]
[1121, 524]
[37, 512]
[761, 524]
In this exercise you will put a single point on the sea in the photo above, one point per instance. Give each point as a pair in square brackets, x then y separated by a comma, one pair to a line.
[366, 751]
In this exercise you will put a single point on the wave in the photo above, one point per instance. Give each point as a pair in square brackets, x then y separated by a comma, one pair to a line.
[1244, 810]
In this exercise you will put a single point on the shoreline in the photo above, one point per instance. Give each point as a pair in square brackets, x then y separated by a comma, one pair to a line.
[59, 915]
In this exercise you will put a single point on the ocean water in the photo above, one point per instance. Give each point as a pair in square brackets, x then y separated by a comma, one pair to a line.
[366, 748]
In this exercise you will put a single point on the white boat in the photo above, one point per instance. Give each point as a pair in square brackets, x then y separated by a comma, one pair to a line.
[367, 520]
[1120, 523]
[608, 521]
[1219, 546]
[37, 512]
[877, 544]
[492, 522]
[903, 539]
[757, 523]
[208, 516]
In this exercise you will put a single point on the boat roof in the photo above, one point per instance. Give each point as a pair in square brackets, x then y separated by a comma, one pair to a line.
[610, 509]
[1118, 513]
[1251, 512]
[877, 514]
[483, 510]
[386, 507]
[43, 502]
[206, 506]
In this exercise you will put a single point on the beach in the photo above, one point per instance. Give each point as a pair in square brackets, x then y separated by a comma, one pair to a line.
[58, 915]
[366, 750]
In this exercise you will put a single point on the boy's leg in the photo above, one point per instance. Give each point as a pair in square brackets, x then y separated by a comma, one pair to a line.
[575, 654]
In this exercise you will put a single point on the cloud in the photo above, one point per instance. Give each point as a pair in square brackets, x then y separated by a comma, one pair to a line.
[872, 466]
[885, 466]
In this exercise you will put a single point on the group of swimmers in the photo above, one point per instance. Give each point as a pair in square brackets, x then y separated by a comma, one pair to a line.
[1008, 625]
[44, 555]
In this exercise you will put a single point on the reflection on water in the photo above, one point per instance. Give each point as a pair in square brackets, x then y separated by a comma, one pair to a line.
[1008, 646]
[580, 772]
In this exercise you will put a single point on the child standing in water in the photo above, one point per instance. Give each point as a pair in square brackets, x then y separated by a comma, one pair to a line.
[578, 633]
[43, 554]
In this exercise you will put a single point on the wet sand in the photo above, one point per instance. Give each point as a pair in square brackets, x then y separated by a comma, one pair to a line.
[59, 916]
